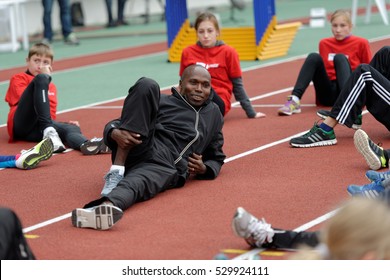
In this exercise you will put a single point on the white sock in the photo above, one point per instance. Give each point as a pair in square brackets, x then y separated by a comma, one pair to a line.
[120, 168]
[295, 98]
[47, 129]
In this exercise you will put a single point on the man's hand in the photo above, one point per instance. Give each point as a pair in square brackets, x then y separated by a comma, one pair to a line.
[196, 165]
[126, 139]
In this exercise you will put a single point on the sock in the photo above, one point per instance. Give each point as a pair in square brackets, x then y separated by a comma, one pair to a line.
[47, 129]
[120, 168]
[295, 98]
[326, 127]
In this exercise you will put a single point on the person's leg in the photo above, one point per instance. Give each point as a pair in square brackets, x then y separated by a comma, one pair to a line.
[313, 69]
[366, 87]
[47, 29]
[32, 116]
[7, 161]
[138, 117]
[66, 20]
[70, 134]
[13, 245]
[121, 9]
[110, 22]
[381, 61]
[343, 70]
[293, 239]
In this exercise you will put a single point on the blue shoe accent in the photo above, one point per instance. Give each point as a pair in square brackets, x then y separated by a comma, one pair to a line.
[372, 190]
[375, 175]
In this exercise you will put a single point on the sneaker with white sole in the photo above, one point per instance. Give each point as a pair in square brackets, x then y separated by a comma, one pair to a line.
[111, 179]
[375, 175]
[255, 232]
[314, 138]
[71, 39]
[101, 217]
[290, 107]
[94, 146]
[374, 155]
[58, 146]
[372, 190]
[31, 158]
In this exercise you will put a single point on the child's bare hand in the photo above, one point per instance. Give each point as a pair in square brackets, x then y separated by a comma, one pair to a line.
[47, 69]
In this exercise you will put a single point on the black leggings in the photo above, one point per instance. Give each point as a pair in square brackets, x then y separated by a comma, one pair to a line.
[313, 69]
[33, 115]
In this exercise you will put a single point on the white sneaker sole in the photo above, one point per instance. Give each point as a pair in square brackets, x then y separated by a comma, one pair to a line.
[315, 144]
[360, 139]
[101, 217]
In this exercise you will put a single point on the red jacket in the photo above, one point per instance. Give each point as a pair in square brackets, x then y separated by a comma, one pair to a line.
[18, 84]
[223, 64]
[355, 48]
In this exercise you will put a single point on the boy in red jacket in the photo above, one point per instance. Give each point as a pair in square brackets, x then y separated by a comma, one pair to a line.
[32, 98]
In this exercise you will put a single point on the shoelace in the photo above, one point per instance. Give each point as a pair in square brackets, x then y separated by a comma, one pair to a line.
[261, 231]
[112, 179]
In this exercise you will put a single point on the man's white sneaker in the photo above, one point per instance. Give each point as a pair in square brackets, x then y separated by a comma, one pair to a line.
[255, 232]
[31, 158]
[101, 217]
[51, 133]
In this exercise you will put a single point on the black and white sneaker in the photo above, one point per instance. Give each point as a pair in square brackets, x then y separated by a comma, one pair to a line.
[101, 217]
[314, 138]
[94, 146]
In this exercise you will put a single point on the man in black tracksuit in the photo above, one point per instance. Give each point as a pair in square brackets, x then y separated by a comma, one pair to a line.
[160, 140]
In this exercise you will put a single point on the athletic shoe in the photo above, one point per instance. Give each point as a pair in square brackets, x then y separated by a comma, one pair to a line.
[375, 175]
[290, 107]
[29, 159]
[71, 39]
[94, 146]
[58, 146]
[101, 217]
[357, 124]
[111, 179]
[255, 232]
[315, 137]
[372, 153]
[372, 190]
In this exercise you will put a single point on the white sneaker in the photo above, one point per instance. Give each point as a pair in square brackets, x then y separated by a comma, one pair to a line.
[247, 226]
[29, 159]
[51, 133]
[101, 217]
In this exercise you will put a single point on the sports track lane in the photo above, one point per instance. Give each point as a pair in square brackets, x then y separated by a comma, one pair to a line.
[289, 187]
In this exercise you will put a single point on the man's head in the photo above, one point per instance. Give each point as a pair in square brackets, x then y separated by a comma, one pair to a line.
[195, 85]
